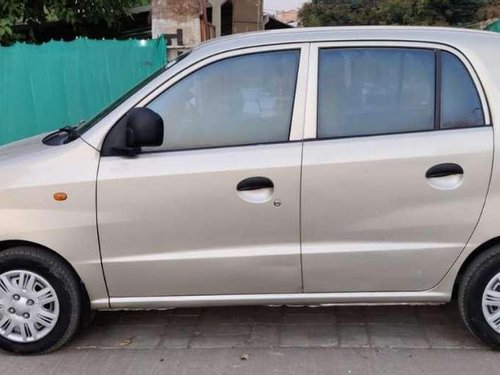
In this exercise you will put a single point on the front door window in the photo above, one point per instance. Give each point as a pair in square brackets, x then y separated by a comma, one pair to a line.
[237, 101]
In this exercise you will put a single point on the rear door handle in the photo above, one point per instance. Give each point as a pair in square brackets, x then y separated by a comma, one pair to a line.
[255, 183]
[443, 170]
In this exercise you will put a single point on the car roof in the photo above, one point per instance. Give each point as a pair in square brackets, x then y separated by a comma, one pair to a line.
[455, 37]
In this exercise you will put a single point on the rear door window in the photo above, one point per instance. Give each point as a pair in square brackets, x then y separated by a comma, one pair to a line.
[364, 91]
[375, 91]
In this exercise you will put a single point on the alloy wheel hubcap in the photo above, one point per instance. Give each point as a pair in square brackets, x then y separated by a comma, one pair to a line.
[29, 307]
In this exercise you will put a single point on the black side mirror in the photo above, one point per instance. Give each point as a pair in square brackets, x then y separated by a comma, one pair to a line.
[141, 127]
[144, 128]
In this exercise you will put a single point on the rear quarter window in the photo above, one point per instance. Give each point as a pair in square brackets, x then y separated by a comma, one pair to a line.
[460, 101]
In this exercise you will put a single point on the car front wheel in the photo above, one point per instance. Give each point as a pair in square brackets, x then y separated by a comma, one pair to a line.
[40, 302]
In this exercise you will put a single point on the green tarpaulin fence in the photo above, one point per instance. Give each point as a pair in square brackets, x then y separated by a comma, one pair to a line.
[495, 26]
[44, 87]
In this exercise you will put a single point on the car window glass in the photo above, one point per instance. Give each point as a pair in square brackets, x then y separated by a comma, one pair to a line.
[240, 100]
[364, 91]
[85, 126]
[460, 102]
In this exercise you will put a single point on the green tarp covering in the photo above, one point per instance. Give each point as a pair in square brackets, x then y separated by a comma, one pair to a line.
[495, 26]
[45, 87]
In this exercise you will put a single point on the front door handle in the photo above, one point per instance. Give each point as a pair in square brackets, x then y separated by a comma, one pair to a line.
[444, 170]
[255, 183]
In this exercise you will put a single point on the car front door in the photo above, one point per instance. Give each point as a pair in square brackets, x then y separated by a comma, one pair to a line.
[215, 209]
[396, 172]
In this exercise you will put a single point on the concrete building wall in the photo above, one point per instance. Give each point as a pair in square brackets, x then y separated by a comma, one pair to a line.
[180, 21]
[287, 16]
[170, 16]
[247, 15]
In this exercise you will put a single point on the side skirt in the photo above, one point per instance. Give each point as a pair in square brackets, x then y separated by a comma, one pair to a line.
[370, 298]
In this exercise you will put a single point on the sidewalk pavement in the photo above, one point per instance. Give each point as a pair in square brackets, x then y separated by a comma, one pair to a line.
[278, 340]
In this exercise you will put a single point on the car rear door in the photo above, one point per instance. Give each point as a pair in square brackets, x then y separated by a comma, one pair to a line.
[215, 209]
[396, 165]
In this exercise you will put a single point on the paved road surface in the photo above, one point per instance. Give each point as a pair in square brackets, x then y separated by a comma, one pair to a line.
[270, 340]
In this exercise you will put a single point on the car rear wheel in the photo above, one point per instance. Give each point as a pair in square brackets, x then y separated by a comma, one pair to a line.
[40, 301]
[479, 297]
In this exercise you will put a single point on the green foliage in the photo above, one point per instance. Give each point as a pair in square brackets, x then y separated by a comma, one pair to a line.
[77, 13]
[398, 12]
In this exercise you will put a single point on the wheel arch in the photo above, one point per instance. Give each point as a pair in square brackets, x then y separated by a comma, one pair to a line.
[85, 299]
[470, 258]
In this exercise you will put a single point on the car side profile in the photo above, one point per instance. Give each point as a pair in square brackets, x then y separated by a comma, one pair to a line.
[315, 166]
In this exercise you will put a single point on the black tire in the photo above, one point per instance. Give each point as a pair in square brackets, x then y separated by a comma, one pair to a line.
[66, 285]
[472, 286]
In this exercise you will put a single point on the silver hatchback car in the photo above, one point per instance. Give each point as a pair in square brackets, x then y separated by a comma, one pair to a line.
[314, 166]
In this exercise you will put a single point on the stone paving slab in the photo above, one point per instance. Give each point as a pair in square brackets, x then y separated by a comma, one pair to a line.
[424, 327]
[259, 361]
[273, 340]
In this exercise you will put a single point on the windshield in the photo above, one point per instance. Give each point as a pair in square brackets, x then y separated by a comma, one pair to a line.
[86, 125]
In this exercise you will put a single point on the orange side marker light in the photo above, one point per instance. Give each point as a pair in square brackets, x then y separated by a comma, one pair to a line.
[60, 196]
